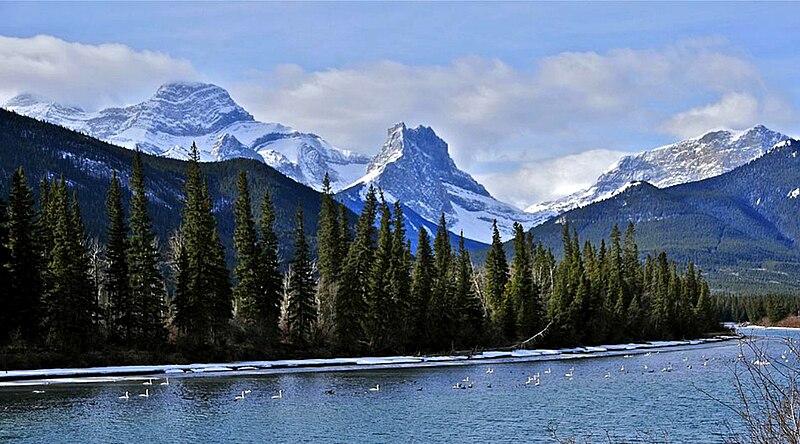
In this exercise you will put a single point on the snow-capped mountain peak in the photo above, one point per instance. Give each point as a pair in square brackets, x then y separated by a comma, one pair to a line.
[689, 160]
[180, 113]
[414, 166]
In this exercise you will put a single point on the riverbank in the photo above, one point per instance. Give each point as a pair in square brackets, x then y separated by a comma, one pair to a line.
[113, 373]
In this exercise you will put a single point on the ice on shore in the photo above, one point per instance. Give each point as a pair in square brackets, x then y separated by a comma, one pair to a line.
[106, 374]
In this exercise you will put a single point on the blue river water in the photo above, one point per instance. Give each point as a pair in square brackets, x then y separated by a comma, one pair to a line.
[605, 399]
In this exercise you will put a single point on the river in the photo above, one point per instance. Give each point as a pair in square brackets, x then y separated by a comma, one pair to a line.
[614, 397]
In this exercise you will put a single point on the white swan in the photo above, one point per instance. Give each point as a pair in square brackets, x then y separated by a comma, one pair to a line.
[38, 392]
[465, 379]
[608, 374]
[548, 371]
[279, 395]
[149, 382]
[377, 388]
[239, 397]
[490, 370]
[125, 396]
[165, 382]
[146, 394]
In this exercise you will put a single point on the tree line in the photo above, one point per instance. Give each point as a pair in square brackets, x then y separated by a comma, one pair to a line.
[364, 291]
[772, 308]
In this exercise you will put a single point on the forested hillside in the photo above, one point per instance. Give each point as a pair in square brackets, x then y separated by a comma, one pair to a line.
[48, 151]
[742, 228]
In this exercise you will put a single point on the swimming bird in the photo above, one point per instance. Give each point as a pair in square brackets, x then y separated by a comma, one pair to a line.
[705, 363]
[622, 369]
[329, 392]
[146, 394]
[166, 382]
[377, 388]
[247, 392]
[489, 370]
[608, 374]
[419, 389]
[465, 379]
[239, 397]
[149, 382]
[571, 372]
[125, 396]
[548, 371]
[457, 385]
[279, 395]
[38, 392]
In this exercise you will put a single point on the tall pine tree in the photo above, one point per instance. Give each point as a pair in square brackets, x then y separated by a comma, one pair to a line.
[147, 288]
[301, 308]
[121, 314]
[25, 265]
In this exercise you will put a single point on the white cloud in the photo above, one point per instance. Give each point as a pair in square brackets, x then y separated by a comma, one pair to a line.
[91, 76]
[481, 105]
[734, 110]
[541, 181]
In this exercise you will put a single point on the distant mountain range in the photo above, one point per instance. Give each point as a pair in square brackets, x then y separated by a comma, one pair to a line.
[413, 166]
[181, 113]
[686, 161]
[742, 227]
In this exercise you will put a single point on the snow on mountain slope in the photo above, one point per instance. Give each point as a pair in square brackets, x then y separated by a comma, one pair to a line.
[414, 166]
[182, 112]
[689, 160]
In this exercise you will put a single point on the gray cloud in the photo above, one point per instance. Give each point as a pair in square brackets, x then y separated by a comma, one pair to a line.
[90, 76]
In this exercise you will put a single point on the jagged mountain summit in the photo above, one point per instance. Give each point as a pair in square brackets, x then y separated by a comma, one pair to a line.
[180, 113]
[415, 167]
[690, 160]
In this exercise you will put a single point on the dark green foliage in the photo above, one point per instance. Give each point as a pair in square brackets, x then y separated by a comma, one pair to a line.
[469, 309]
[245, 241]
[25, 287]
[381, 307]
[203, 310]
[121, 313]
[351, 304]
[70, 300]
[422, 279]
[753, 309]
[301, 308]
[441, 310]
[330, 250]
[147, 288]
[267, 304]
[496, 274]
[5, 262]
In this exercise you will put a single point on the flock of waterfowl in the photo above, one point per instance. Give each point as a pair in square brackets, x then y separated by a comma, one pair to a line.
[532, 380]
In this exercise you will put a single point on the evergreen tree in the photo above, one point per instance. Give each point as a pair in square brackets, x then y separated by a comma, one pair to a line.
[147, 288]
[400, 278]
[301, 311]
[496, 274]
[329, 252]
[203, 310]
[5, 262]
[267, 305]
[70, 300]
[469, 309]
[441, 316]
[381, 309]
[25, 286]
[421, 285]
[121, 316]
[351, 304]
[245, 241]
[521, 310]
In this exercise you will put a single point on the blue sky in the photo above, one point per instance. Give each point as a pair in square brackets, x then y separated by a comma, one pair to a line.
[513, 87]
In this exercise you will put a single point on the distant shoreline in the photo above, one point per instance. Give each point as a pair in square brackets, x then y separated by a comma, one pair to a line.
[17, 378]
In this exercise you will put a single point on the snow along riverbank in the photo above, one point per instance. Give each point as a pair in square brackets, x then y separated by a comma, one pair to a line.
[111, 374]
